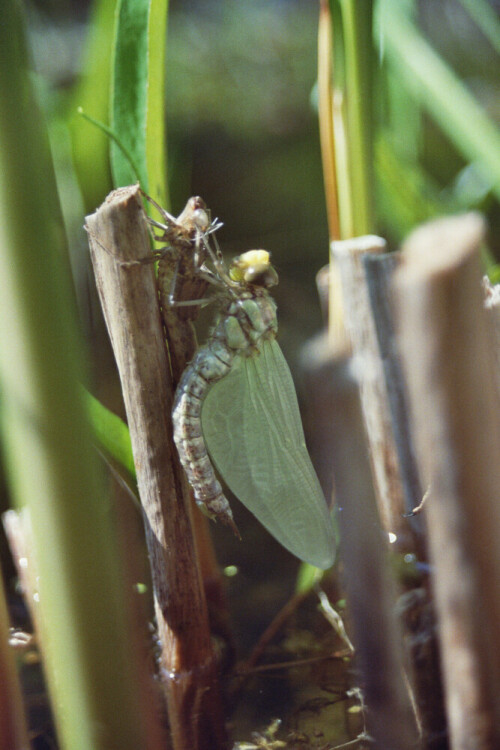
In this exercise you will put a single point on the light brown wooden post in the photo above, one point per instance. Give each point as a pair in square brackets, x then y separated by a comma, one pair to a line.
[449, 364]
[128, 294]
[348, 256]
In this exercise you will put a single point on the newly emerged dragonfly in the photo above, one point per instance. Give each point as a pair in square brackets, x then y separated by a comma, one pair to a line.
[236, 408]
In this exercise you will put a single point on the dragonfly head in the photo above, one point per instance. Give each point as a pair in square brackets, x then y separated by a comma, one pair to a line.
[253, 267]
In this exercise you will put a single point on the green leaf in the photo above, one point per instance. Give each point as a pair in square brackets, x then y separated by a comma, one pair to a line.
[90, 145]
[75, 553]
[111, 433]
[155, 129]
[137, 96]
[439, 90]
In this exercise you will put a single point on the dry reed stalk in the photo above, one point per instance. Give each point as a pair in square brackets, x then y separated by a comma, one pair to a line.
[370, 590]
[129, 298]
[360, 326]
[450, 368]
[414, 608]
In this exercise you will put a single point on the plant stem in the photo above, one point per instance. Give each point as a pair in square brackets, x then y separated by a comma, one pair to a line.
[357, 32]
[128, 293]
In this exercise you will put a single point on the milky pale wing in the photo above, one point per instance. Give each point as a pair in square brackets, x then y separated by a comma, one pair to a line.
[253, 432]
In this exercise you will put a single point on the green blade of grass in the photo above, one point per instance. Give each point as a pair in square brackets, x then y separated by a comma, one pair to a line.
[111, 433]
[90, 145]
[156, 161]
[90, 655]
[137, 94]
[441, 93]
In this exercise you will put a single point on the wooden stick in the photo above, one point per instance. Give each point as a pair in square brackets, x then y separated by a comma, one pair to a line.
[449, 364]
[379, 270]
[128, 294]
[348, 254]
[420, 640]
[370, 591]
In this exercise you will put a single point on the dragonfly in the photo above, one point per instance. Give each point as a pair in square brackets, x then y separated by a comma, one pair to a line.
[235, 412]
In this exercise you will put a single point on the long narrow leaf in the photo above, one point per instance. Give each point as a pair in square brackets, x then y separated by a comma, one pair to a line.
[111, 433]
[441, 93]
[137, 97]
[89, 659]
[90, 145]
[156, 161]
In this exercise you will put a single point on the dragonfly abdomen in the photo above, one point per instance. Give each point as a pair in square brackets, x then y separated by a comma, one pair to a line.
[248, 319]
[210, 364]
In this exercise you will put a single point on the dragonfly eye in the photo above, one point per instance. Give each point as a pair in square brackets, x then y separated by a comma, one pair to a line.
[259, 276]
[254, 267]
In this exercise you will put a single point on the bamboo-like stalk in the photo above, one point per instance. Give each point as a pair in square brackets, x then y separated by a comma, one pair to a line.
[325, 111]
[345, 120]
[328, 158]
[51, 465]
[358, 46]
[449, 363]
[128, 293]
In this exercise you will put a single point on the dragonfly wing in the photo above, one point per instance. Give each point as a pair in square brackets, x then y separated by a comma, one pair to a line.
[253, 432]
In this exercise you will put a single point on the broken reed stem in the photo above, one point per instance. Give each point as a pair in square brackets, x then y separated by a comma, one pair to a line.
[379, 270]
[369, 586]
[129, 298]
[415, 607]
[360, 327]
[449, 363]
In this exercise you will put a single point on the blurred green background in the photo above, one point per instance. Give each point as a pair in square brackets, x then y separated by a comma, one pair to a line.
[242, 126]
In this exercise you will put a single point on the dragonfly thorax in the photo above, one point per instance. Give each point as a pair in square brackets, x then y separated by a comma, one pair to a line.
[249, 319]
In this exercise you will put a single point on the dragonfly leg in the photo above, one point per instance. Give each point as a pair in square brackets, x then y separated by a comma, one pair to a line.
[219, 265]
[155, 255]
[172, 302]
[160, 210]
